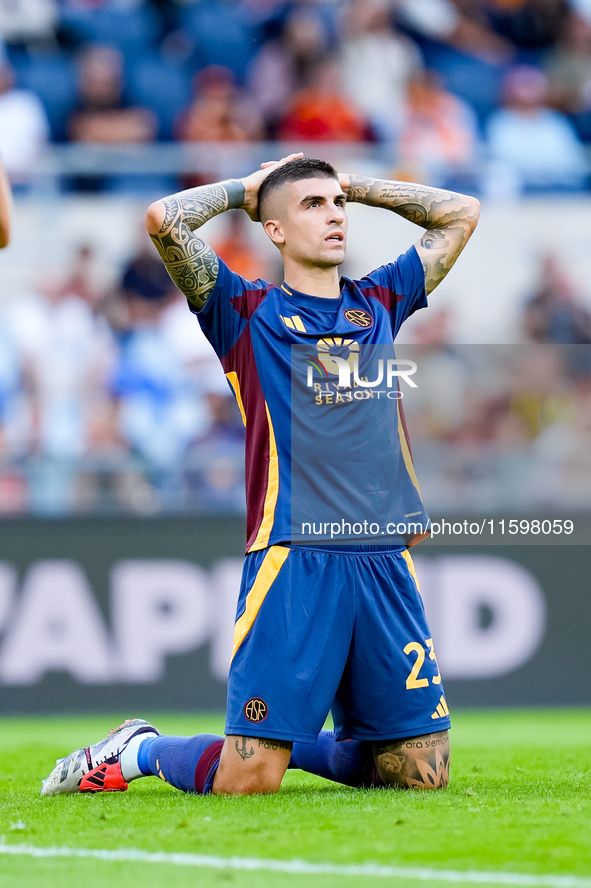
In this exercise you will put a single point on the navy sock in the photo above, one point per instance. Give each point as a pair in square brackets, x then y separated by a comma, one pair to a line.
[348, 761]
[189, 763]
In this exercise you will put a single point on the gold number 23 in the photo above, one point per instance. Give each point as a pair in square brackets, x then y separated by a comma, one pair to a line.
[413, 680]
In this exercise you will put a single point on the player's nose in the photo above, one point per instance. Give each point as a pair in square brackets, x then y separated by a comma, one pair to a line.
[337, 214]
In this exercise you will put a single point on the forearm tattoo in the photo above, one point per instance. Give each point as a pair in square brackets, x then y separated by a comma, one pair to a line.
[414, 762]
[449, 218]
[191, 263]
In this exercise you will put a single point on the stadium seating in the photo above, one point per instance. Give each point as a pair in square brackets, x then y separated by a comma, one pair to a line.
[162, 87]
[222, 34]
[128, 28]
[53, 77]
[475, 80]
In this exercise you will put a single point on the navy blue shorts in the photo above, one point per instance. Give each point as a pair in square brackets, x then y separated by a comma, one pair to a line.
[320, 630]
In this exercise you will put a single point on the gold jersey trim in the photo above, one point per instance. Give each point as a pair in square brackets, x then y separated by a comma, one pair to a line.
[266, 576]
[232, 378]
[262, 537]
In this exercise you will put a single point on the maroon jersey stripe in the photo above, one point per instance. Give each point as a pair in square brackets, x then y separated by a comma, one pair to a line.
[240, 359]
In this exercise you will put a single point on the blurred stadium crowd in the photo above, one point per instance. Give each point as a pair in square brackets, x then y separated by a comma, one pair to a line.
[110, 398]
[489, 95]
[113, 400]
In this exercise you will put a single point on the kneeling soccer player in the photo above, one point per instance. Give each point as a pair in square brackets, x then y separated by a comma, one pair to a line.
[320, 626]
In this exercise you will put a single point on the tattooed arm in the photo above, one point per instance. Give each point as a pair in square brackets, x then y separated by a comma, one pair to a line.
[449, 218]
[5, 208]
[172, 222]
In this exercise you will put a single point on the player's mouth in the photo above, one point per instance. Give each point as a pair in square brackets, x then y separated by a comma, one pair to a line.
[336, 237]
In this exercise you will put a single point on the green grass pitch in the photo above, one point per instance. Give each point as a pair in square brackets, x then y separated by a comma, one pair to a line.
[519, 802]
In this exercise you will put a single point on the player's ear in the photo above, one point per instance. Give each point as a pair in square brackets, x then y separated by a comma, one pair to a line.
[274, 230]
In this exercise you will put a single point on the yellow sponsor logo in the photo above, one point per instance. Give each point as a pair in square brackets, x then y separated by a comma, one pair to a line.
[294, 323]
[442, 709]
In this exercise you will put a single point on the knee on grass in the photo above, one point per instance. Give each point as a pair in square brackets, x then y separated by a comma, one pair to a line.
[250, 781]
[250, 765]
[414, 762]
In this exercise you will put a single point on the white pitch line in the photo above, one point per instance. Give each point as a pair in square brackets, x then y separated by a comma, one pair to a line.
[302, 867]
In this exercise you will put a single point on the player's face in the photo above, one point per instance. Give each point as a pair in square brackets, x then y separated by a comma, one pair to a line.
[314, 222]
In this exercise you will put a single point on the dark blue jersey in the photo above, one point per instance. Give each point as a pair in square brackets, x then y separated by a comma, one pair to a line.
[321, 447]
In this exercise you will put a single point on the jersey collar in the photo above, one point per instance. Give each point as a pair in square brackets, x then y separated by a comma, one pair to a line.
[318, 303]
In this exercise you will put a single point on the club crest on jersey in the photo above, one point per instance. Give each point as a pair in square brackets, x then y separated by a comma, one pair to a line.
[256, 710]
[358, 317]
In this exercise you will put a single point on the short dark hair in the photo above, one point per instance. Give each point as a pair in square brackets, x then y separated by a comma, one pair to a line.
[301, 168]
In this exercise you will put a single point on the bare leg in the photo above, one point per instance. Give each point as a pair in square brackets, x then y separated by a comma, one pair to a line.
[414, 762]
[251, 764]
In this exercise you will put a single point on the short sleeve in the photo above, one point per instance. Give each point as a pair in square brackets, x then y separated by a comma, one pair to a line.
[221, 318]
[399, 286]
